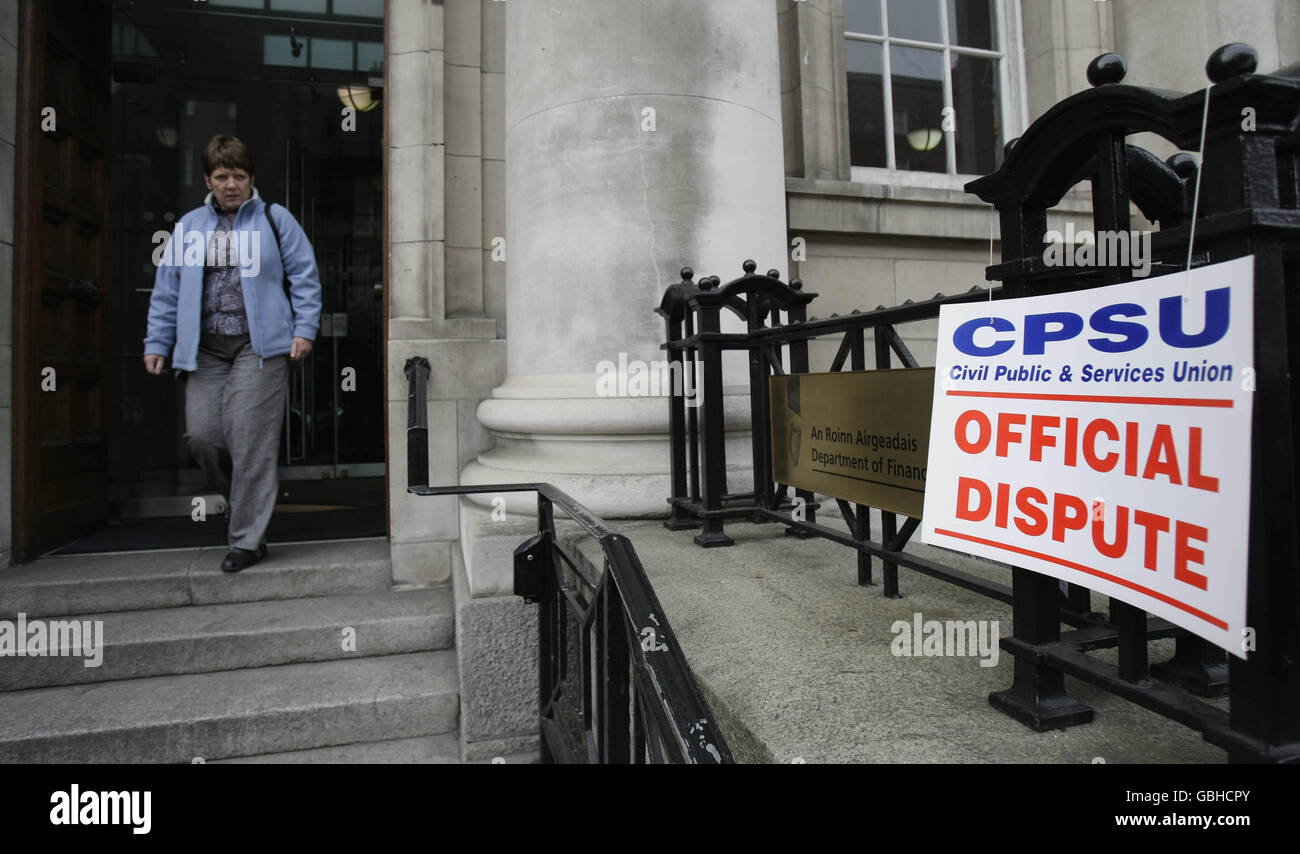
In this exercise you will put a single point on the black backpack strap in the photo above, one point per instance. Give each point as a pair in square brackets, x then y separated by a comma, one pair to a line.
[276, 232]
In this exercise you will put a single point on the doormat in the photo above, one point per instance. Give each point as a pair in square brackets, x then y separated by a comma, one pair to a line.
[180, 532]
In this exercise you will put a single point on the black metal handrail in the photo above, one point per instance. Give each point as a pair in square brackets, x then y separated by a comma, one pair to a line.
[625, 694]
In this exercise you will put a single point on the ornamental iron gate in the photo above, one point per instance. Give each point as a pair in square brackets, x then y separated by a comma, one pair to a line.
[1248, 203]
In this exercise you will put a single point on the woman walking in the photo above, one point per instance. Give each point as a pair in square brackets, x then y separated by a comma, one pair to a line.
[236, 297]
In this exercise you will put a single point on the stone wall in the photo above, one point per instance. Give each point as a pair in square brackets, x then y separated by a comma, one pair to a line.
[438, 293]
[1166, 42]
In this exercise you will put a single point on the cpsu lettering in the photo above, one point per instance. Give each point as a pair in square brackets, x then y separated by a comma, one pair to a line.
[1122, 333]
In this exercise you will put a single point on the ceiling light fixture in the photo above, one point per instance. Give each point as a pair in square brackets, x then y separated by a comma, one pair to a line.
[360, 98]
[924, 139]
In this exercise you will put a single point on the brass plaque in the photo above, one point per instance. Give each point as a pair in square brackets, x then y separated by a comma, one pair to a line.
[858, 435]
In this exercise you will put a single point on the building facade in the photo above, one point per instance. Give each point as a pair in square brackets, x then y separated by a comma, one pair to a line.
[536, 174]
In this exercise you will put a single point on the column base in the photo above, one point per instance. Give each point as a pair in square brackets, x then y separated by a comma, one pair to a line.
[611, 454]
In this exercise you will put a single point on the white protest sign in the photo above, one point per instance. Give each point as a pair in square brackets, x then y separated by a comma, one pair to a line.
[1102, 437]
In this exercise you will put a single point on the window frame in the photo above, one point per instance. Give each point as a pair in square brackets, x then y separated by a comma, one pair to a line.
[1011, 81]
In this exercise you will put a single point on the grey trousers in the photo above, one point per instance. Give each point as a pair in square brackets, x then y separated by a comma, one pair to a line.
[234, 412]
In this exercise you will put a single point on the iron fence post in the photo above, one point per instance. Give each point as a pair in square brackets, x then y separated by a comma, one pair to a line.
[417, 421]
[616, 662]
[798, 314]
[549, 630]
[1037, 695]
[684, 376]
[714, 464]
[760, 404]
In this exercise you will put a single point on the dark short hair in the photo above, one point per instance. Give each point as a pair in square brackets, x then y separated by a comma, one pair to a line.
[227, 151]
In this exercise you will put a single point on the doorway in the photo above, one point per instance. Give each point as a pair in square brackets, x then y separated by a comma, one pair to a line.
[277, 74]
[334, 414]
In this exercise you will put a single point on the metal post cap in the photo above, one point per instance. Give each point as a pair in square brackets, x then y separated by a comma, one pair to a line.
[1230, 61]
[1106, 69]
[1183, 164]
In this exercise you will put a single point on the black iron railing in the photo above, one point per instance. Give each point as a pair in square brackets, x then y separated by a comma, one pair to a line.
[613, 685]
[1248, 204]
[697, 442]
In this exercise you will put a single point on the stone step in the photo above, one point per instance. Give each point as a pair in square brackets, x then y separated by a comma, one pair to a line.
[205, 638]
[233, 713]
[137, 581]
[429, 750]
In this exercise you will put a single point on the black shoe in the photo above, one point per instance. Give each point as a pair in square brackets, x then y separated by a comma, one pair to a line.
[238, 559]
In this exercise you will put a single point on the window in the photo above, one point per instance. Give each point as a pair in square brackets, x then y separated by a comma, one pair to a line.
[324, 53]
[926, 81]
[354, 8]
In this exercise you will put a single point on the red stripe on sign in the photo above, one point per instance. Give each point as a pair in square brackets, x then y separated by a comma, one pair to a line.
[1215, 403]
[1124, 582]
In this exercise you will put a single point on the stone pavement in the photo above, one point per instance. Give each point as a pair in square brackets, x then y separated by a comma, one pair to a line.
[795, 660]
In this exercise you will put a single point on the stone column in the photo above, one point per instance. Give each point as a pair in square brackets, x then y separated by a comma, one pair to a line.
[434, 267]
[640, 138]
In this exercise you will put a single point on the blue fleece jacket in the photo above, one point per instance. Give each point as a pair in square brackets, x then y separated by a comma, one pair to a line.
[176, 307]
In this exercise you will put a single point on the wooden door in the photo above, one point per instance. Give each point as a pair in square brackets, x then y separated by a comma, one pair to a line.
[60, 273]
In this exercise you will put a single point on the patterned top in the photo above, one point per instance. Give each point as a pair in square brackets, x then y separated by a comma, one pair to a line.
[223, 294]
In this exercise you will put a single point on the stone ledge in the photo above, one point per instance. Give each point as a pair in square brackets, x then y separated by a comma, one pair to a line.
[904, 210]
[455, 328]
